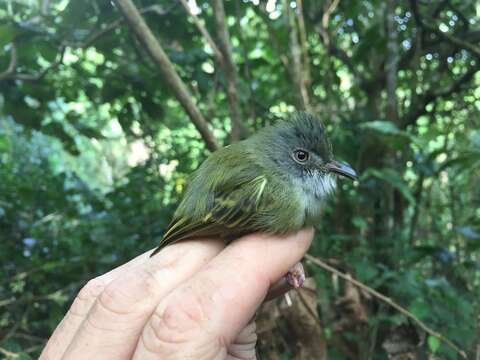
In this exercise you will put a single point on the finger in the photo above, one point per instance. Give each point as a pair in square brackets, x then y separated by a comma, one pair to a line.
[210, 309]
[115, 321]
[82, 303]
[279, 288]
[244, 345]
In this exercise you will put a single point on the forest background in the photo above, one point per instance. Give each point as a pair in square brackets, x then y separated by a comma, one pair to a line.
[106, 107]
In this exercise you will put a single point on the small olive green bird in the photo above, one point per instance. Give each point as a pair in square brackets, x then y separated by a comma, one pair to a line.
[274, 182]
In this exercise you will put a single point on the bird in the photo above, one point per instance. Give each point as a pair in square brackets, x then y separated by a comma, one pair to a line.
[276, 182]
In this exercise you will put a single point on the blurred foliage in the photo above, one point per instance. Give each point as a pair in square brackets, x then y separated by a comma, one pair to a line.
[95, 152]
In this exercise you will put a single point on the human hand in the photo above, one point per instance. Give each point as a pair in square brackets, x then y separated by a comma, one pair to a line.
[194, 300]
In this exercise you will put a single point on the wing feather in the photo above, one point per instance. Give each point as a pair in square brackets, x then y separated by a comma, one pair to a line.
[233, 210]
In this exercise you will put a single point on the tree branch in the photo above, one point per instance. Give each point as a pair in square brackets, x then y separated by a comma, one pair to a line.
[44, 7]
[387, 301]
[298, 78]
[94, 36]
[40, 75]
[246, 68]
[307, 78]
[9, 354]
[326, 15]
[262, 13]
[419, 109]
[303, 320]
[391, 67]
[166, 68]
[231, 74]
[10, 73]
[474, 50]
[321, 24]
[321, 27]
[12, 66]
[203, 30]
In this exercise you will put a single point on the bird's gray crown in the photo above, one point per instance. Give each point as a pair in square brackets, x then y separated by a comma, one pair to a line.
[306, 131]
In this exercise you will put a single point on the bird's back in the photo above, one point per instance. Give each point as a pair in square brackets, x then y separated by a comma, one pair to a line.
[232, 194]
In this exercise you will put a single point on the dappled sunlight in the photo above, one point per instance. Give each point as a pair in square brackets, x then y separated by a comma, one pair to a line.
[103, 122]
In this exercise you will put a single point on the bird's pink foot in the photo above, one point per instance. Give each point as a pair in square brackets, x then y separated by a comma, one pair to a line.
[296, 276]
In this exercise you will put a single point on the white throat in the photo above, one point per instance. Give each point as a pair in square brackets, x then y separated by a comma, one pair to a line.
[314, 189]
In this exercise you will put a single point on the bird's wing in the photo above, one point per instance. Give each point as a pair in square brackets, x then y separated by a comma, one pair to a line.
[232, 210]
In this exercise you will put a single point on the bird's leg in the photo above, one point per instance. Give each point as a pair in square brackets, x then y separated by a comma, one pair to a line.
[293, 279]
[296, 276]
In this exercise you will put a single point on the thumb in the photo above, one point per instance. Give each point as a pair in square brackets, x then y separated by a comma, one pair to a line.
[202, 318]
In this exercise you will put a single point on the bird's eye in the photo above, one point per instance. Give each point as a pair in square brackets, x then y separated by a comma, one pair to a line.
[301, 156]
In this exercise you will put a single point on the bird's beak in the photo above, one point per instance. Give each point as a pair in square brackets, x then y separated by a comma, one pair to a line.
[342, 169]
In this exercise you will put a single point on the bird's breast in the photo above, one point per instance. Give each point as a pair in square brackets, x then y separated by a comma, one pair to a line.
[313, 190]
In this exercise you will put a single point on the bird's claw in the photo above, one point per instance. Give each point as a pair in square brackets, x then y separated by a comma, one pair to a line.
[296, 276]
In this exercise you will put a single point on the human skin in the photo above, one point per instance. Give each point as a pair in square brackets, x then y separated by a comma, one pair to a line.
[194, 300]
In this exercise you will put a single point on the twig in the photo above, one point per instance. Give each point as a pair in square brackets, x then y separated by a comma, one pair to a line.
[307, 78]
[44, 7]
[10, 73]
[165, 66]
[34, 348]
[43, 72]
[388, 301]
[231, 73]
[9, 354]
[323, 24]
[246, 68]
[307, 306]
[11, 332]
[445, 36]
[391, 66]
[29, 337]
[328, 12]
[44, 297]
[223, 55]
[298, 76]
[113, 25]
[416, 209]
[12, 65]
[431, 95]
[6, 302]
[203, 30]
[261, 11]
[321, 27]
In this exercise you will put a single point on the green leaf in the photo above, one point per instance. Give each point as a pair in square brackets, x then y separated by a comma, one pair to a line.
[468, 232]
[420, 309]
[7, 33]
[387, 128]
[46, 50]
[384, 127]
[23, 356]
[475, 138]
[366, 271]
[359, 222]
[433, 344]
[394, 178]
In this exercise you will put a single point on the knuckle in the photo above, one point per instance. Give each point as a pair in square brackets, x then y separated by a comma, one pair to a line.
[87, 296]
[187, 313]
[92, 289]
[129, 294]
[112, 299]
[243, 347]
[179, 321]
[151, 279]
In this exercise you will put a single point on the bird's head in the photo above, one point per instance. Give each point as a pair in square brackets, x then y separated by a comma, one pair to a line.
[300, 148]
